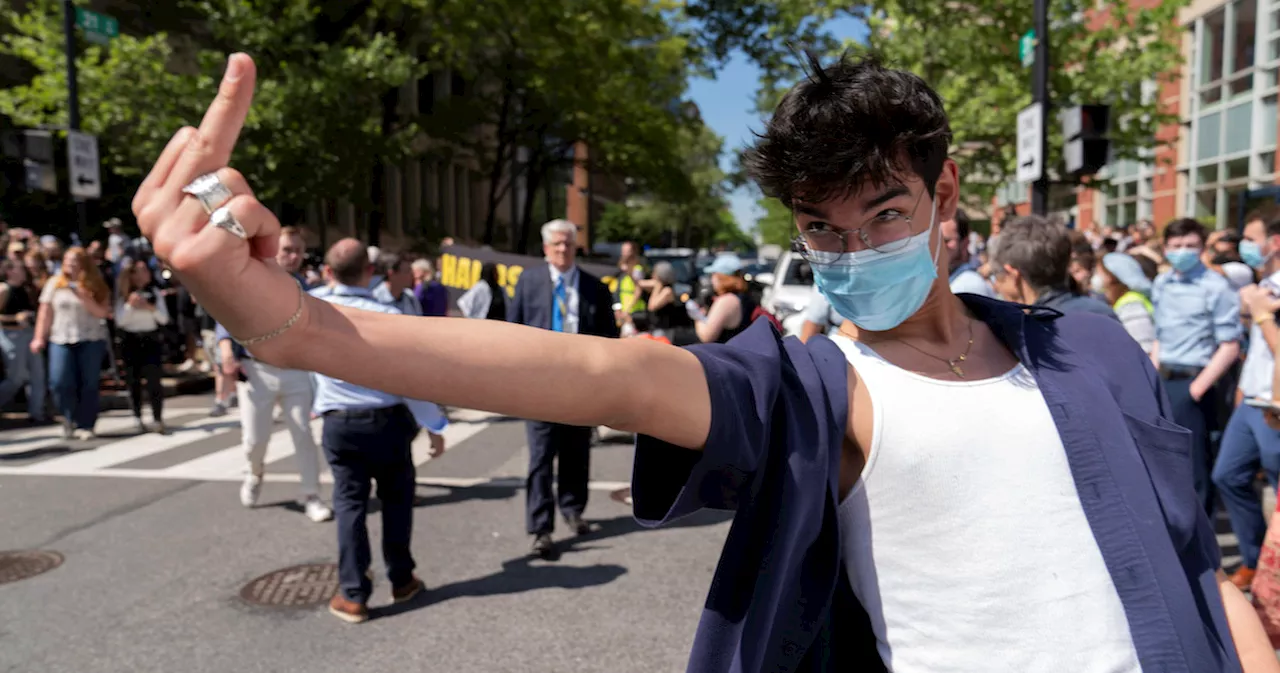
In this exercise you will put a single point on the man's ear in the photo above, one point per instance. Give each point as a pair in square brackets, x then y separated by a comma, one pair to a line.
[946, 191]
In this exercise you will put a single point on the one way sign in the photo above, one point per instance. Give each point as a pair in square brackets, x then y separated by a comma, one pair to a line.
[82, 165]
[1030, 140]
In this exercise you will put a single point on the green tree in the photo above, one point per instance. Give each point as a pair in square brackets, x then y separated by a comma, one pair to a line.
[970, 56]
[695, 215]
[777, 225]
[314, 130]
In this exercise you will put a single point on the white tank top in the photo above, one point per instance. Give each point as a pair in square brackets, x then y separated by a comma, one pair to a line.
[965, 538]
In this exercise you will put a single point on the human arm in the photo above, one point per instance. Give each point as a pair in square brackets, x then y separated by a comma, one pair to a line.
[661, 297]
[44, 318]
[100, 309]
[226, 350]
[1262, 307]
[1225, 308]
[1252, 644]
[722, 312]
[161, 308]
[12, 319]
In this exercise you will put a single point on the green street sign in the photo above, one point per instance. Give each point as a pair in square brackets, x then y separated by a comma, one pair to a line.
[98, 28]
[1027, 48]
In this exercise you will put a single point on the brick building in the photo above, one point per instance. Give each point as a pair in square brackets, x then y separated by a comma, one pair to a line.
[1221, 158]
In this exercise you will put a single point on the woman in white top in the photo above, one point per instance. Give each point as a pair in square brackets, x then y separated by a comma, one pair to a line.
[140, 313]
[74, 306]
[485, 299]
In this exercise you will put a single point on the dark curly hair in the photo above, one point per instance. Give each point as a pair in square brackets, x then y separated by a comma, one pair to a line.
[848, 124]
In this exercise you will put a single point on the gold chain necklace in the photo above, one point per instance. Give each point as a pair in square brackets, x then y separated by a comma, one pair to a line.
[953, 363]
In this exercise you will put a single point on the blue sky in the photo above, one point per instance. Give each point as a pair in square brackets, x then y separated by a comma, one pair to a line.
[727, 103]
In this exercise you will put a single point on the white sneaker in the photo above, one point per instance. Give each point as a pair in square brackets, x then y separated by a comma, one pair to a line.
[186, 366]
[316, 510]
[84, 435]
[139, 426]
[249, 490]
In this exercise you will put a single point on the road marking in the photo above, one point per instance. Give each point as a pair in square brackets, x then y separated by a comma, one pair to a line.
[50, 436]
[129, 448]
[232, 461]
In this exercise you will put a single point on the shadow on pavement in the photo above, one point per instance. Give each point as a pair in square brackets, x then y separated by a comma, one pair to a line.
[517, 576]
[529, 574]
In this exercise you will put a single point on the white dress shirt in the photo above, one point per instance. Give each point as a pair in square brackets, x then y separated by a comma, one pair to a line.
[571, 296]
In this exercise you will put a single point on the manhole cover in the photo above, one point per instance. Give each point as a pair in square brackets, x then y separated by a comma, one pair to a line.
[295, 587]
[19, 565]
[622, 495]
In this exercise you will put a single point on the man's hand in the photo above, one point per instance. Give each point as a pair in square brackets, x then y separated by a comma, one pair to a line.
[235, 280]
[24, 318]
[1198, 390]
[1259, 300]
[37, 346]
[437, 445]
[230, 366]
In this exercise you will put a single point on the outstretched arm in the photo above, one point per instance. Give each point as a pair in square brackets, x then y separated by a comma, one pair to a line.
[483, 364]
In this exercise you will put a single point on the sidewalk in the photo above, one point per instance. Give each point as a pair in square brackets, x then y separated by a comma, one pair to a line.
[115, 395]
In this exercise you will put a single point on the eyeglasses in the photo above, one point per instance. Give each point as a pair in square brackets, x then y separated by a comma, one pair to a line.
[887, 232]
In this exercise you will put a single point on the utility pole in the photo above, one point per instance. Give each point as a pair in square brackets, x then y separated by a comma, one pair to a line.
[73, 99]
[1040, 94]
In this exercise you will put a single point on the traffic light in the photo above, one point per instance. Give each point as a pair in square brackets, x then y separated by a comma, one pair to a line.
[1084, 128]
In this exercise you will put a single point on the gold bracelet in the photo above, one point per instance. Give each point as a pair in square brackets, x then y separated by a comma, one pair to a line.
[302, 297]
[1265, 317]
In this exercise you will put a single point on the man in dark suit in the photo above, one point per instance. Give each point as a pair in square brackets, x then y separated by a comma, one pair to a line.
[560, 297]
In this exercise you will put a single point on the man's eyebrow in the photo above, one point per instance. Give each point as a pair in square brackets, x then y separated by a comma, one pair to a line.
[811, 210]
[890, 193]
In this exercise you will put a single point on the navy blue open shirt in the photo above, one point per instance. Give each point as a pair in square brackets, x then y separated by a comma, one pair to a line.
[780, 599]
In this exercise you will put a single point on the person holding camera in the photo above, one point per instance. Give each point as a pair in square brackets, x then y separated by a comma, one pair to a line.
[141, 311]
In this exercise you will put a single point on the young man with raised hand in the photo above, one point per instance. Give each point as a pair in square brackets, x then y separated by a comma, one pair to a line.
[883, 520]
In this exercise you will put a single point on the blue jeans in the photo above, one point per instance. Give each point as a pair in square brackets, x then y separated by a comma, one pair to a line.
[1246, 443]
[362, 447]
[75, 371]
[22, 367]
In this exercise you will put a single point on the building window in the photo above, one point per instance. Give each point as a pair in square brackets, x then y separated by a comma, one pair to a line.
[1233, 110]
[1127, 194]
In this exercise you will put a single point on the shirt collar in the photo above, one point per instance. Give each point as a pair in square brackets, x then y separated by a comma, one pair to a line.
[1193, 274]
[569, 275]
[340, 290]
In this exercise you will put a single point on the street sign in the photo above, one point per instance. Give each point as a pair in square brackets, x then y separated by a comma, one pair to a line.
[1027, 48]
[82, 165]
[98, 28]
[1030, 141]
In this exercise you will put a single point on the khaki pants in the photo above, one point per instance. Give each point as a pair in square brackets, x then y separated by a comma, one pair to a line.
[291, 389]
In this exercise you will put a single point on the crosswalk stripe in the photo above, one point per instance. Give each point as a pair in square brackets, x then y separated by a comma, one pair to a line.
[127, 449]
[51, 435]
[232, 461]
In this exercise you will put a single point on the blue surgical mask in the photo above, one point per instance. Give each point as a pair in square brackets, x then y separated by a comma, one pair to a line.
[876, 290]
[1183, 259]
[1251, 254]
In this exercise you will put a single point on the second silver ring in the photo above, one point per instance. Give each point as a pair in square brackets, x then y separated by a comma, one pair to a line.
[210, 191]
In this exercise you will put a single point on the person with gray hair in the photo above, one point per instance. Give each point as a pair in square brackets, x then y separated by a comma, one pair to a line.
[560, 297]
[1029, 266]
[432, 296]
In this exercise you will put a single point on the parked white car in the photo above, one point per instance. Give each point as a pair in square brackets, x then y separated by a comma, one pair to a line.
[787, 293]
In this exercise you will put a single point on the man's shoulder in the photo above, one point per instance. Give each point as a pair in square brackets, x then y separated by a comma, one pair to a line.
[362, 303]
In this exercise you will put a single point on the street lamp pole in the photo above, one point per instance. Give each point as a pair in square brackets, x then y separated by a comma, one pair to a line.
[73, 98]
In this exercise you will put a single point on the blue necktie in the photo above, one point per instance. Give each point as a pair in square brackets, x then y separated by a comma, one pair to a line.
[561, 307]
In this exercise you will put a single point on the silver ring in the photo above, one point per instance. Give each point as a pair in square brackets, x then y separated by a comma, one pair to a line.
[209, 190]
[223, 219]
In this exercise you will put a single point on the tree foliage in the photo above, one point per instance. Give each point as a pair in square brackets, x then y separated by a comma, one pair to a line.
[1108, 51]
[313, 130]
[696, 216]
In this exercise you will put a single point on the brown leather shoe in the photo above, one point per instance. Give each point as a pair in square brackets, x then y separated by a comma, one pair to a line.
[350, 612]
[1243, 578]
[406, 592]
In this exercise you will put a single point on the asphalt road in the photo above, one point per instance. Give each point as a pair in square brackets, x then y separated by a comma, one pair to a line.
[158, 548]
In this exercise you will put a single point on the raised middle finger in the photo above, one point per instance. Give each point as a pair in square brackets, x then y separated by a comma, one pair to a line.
[211, 146]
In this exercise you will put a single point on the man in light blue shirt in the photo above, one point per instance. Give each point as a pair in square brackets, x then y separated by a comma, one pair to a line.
[1248, 442]
[1197, 317]
[396, 288]
[367, 436]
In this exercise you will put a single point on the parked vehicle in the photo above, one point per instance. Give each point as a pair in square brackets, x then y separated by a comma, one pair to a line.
[787, 294]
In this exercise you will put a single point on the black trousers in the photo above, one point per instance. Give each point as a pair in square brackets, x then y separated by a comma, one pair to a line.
[141, 354]
[573, 446]
[363, 447]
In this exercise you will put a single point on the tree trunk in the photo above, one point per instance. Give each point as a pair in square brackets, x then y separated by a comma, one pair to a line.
[378, 207]
[499, 163]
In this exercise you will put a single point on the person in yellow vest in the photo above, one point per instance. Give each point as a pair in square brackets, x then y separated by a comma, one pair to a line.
[1120, 279]
[631, 279]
